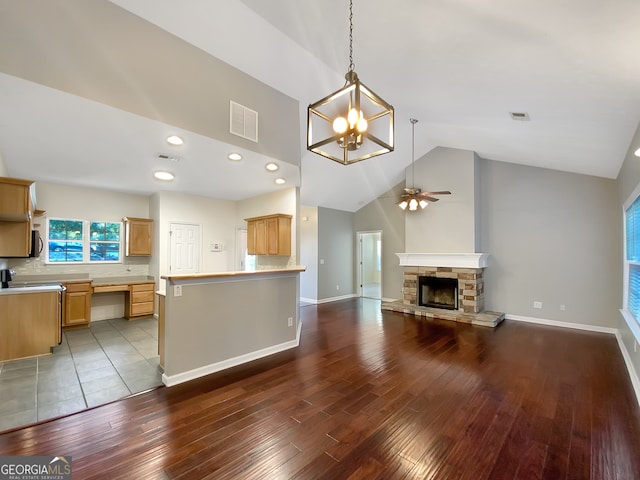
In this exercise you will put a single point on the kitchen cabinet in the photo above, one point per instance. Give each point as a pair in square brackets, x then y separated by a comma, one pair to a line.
[16, 217]
[139, 300]
[138, 235]
[269, 235]
[29, 324]
[76, 304]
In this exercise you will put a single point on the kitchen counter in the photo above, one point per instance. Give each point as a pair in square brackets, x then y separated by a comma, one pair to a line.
[13, 290]
[240, 273]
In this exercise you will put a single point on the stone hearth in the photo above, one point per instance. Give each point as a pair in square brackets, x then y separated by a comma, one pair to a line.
[468, 269]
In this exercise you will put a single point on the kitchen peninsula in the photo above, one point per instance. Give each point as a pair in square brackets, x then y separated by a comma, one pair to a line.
[210, 322]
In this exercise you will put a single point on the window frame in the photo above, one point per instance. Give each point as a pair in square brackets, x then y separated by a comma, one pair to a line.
[86, 242]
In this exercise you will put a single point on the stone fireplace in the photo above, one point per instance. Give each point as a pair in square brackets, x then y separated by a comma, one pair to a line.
[445, 286]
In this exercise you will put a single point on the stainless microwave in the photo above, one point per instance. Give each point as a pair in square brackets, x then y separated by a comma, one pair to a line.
[37, 244]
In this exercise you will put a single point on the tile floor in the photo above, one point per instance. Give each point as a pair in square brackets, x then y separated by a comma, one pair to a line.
[109, 360]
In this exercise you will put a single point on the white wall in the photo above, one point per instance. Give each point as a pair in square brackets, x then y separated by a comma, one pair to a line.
[3, 167]
[217, 220]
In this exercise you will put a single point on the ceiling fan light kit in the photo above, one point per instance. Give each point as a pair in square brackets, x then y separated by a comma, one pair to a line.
[350, 124]
[414, 197]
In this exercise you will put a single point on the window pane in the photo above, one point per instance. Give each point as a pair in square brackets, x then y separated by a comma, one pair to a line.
[97, 231]
[101, 231]
[104, 251]
[65, 251]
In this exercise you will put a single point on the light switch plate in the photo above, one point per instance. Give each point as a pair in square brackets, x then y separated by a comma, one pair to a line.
[177, 290]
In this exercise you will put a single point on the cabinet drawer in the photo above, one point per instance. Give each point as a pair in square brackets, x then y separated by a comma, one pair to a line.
[142, 297]
[78, 287]
[110, 288]
[143, 287]
[145, 308]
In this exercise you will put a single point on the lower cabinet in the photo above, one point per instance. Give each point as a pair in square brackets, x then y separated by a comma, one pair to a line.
[139, 300]
[76, 304]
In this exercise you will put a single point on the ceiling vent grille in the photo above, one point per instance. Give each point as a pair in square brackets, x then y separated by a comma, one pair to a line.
[243, 122]
[521, 116]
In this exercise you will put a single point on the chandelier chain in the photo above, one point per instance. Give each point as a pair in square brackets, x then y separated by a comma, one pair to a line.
[351, 64]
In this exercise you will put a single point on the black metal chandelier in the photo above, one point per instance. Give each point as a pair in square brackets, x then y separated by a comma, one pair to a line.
[353, 123]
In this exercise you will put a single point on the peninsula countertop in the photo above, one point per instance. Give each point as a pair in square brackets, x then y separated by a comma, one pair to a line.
[240, 273]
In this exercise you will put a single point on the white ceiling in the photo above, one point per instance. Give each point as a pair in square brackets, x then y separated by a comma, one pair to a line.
[458, 66]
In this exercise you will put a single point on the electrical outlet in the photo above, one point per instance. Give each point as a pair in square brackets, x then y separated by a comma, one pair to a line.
[537, 304]
[177, 290]
[563, 308]
[290, 321]
[337, 287]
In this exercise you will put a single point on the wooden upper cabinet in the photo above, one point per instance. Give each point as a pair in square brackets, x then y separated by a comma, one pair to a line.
[15, 200]
[269, 235]
[138, 235]
[16, 217]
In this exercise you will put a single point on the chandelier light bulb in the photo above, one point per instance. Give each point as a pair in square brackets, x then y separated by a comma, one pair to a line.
[403, 204]
[353, 117]
[362, 124]
[423, 203]
[413, 204]
[340, 125]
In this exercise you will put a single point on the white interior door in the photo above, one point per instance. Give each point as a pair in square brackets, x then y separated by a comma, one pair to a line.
[184, 248]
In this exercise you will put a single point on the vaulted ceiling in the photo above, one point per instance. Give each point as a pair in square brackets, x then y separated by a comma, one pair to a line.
[460, 67]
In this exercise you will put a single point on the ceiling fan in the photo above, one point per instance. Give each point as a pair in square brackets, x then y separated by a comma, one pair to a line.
[415, 197]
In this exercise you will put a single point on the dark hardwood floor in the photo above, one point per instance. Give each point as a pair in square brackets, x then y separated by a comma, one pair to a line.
[372, 395]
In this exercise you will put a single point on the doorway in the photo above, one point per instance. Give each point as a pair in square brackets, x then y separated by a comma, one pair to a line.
[184, 248]
[370, 264]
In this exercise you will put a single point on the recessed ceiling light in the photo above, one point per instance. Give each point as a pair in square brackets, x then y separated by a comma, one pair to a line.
[175, 140]
[165, 176]
[234, 157]
[272, 166]
[280, 181]
[637, 153]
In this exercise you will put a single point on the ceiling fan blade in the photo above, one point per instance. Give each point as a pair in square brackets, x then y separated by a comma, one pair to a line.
[444, 192]
[430, 199]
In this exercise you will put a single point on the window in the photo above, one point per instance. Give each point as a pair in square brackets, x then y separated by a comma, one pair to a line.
[68, 241]
[632, 257]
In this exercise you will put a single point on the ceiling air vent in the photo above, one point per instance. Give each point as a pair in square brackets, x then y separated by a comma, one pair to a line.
[522, 116]
[243, 122]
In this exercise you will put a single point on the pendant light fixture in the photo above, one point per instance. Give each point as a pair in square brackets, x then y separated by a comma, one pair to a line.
[353, 123]
[415, 197]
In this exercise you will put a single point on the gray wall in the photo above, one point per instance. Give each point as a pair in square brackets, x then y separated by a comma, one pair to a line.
[554, 238]
[628, 180]
[335, 253]
[448, 226]
[383, 214]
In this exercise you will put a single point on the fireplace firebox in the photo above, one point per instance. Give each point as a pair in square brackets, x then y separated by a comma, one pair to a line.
[438, 292]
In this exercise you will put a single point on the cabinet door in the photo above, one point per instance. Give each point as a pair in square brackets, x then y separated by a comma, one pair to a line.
[138, 237]
[77, 304]
[15, 199]
[273, 238]
[261, 237]
[251, 238]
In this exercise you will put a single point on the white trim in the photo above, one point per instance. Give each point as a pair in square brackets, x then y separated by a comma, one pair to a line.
[454, 260]
[633, 374]
[632, 323]
[335, 299]
[556, 323]
[172, 380]
[327, 300]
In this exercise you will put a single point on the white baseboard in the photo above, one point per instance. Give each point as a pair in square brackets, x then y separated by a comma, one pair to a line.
[172, 380]
[327, 300]
[556, 323]
[633, 374]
